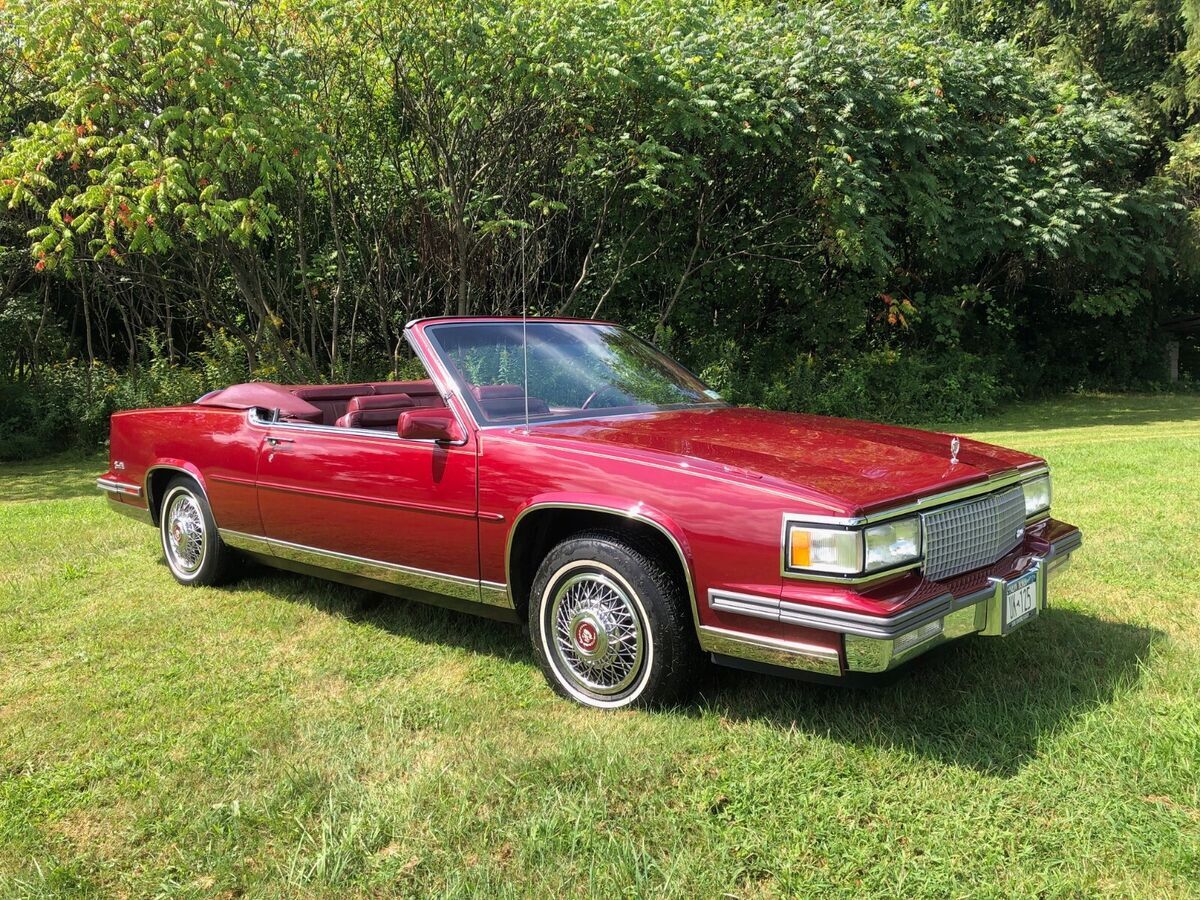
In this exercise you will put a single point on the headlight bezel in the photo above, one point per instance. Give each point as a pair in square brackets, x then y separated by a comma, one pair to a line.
[855, 540]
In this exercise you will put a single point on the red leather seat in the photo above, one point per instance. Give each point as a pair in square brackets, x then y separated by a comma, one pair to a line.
[332, 399]
[374, 411]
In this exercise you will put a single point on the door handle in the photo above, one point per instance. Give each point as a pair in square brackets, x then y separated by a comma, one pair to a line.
[275, 442]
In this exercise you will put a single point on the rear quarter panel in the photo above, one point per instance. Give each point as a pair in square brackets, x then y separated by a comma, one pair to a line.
[214, 446]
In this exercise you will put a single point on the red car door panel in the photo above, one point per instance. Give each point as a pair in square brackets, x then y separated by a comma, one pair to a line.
[372, 496]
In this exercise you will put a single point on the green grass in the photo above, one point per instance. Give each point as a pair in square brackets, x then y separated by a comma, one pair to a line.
[283, 736]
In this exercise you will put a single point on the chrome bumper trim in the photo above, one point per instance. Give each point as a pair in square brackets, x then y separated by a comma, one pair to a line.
[770, 651]
[118, 487]
[873, 643]
[1066, 545]
[840, 621]
[980, 612]
[377, 570]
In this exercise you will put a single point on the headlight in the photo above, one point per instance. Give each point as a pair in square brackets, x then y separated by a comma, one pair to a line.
[892, 543]
[837, 551]
[1037, 495]
[852, 551]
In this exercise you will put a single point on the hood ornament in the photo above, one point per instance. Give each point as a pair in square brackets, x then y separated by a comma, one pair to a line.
[954, 445]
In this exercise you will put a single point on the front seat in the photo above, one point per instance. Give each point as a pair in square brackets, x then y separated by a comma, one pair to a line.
[378, 412]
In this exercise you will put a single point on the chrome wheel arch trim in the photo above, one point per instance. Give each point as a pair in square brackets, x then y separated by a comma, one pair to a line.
[633, 513]
[458, 586]
[169, 467]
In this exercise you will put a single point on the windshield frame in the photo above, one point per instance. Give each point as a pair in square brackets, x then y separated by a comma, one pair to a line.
[462, 387]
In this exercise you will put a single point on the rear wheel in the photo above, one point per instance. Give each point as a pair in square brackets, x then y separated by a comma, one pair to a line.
[610, 625]
[193, 549]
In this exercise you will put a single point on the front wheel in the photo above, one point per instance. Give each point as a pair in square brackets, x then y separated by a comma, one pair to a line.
[193, 549]
[611, 626]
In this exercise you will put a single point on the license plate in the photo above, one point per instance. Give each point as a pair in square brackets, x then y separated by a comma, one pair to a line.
[1020, 600]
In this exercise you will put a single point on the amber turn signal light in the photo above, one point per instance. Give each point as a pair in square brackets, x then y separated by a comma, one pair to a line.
[801, 549]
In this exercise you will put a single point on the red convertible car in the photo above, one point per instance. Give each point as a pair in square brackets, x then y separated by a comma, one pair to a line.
[567, 475]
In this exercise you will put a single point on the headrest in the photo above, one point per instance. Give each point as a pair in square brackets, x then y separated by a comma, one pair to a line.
[384, 401]
[405, 387]
[331, 391]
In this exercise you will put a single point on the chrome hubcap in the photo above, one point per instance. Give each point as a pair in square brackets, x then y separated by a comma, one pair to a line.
[184, 538]
[598, 636]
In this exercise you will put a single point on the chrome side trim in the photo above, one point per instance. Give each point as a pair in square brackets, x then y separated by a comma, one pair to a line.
[770, 651]
[866, 625]
[118, 487]
[391, 573]
[494, 594]
[631, 513]
[744, 604]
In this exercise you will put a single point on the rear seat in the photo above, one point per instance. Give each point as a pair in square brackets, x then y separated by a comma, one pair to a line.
[334, 399]
[378, 412]
[423, 393]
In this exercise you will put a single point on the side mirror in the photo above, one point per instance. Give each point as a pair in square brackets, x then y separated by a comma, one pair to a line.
[433, 424]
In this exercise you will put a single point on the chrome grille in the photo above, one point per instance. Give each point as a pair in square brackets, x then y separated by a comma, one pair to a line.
[965, 536]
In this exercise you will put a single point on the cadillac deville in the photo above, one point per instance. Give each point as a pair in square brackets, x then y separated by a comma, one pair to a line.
[566, 475]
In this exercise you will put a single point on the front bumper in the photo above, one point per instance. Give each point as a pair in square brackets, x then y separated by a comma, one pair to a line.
[876, 643]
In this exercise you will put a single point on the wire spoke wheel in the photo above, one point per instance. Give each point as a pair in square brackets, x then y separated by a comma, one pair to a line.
[184, 535]
[598, 635]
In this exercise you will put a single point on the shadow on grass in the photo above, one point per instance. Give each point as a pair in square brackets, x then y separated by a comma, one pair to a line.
[981, 703]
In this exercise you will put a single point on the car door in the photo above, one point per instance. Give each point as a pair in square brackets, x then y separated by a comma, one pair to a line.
[372, 504]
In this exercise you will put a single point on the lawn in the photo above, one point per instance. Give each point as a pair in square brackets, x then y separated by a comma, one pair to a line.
[285, 736]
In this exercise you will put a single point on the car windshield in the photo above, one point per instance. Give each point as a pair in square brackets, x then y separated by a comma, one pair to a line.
[576, 370]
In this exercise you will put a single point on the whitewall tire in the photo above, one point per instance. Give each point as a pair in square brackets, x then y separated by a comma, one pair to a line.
[192, 548]
[610, 625]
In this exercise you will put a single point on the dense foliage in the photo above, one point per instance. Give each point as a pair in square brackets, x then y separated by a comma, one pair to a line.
[847, 208]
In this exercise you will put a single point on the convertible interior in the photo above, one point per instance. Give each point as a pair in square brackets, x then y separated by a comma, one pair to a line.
[374, 405]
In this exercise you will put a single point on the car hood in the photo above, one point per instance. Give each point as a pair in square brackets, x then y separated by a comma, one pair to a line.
[861, 466]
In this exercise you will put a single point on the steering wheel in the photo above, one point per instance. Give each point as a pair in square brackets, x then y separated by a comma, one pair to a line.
[596, 394]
